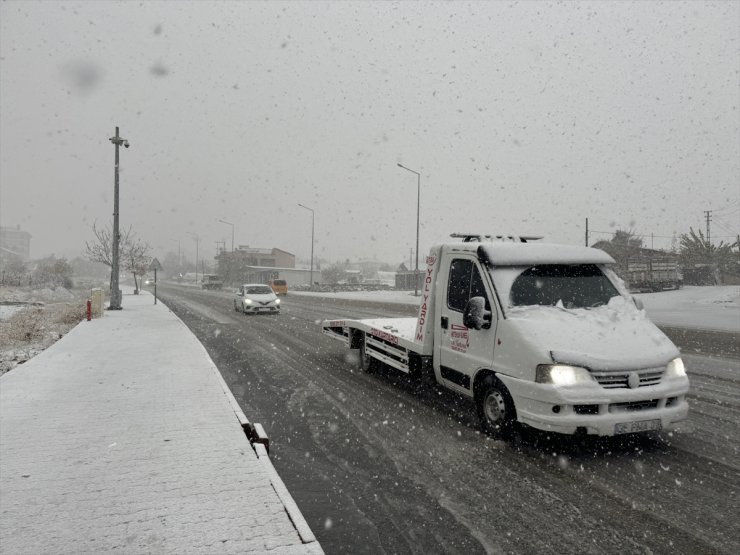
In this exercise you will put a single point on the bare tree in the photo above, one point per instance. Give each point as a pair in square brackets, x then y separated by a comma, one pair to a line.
[134, 252]
[100, 249]
[136, 259]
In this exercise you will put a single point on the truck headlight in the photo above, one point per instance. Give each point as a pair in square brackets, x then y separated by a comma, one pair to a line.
[562, 374]
[675, 369]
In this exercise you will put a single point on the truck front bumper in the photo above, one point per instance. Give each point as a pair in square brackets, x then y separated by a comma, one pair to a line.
[592, 409]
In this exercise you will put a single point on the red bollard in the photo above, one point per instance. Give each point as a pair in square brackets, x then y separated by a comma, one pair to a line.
[89, 310]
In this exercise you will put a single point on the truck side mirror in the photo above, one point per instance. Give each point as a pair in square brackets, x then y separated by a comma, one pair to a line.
[475, 314]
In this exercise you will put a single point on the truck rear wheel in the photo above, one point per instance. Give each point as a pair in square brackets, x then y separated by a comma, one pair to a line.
[495, 408]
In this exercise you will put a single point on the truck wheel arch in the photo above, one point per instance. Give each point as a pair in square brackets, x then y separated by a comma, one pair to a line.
[484, 380]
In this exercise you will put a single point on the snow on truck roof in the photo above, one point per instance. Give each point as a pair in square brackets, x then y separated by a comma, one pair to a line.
[522, 254]
[517, 254]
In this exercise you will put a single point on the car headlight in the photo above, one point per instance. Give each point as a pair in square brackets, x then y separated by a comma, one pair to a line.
[247, 301]
[675, 369]
[277, 301]
[562, 374]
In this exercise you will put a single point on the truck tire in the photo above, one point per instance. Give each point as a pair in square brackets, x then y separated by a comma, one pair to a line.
[367, 363]
[495, 408]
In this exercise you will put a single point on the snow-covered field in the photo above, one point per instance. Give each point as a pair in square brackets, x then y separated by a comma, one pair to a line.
[711, 307]
[33, 319]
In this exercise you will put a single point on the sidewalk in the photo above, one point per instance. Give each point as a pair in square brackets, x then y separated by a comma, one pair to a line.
[123, 436]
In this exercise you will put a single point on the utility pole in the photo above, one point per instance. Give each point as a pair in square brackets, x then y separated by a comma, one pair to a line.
[586, 231]
[196, 254]
[232, 234]
[708, 214]
[115, 291]
[418, 205]
[312, 230]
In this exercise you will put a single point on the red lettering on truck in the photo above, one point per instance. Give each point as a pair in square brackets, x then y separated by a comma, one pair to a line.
[385, 336]
[425, 298]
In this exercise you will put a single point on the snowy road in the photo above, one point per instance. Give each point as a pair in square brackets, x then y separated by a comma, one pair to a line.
[378, 465]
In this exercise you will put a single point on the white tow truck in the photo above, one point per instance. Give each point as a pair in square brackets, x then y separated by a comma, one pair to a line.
[541, 334]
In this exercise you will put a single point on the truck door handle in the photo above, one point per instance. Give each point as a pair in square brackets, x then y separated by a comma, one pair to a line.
[445, 322]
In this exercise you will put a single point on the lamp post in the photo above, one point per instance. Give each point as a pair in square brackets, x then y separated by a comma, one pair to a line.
[232, 233]
[312, 228]
[418, 204]
[115, 292]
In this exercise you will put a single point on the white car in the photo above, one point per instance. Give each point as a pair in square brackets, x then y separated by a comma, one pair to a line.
[256, 297]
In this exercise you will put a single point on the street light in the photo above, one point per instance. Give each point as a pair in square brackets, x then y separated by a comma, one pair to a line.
[232, 233]
[312, 228]
[418, 203]
[115, 292]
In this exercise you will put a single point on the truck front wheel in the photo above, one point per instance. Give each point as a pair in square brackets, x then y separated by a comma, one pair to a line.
[495, 408]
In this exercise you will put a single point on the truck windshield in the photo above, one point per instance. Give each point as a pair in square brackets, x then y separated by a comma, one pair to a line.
[565, 285]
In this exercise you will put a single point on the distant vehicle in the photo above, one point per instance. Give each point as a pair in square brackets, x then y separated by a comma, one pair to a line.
[212, 281]
[256, 297]
[652, 275]
[279, 286]
[644, 269]
[543, 335]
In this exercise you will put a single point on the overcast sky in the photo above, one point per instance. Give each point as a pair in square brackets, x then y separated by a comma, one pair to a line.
[522, 118]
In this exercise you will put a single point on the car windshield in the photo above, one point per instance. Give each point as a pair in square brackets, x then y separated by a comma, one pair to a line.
[257, 290]
[564, 285]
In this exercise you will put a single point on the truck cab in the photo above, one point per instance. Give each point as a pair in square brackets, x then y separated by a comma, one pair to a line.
[541, 334]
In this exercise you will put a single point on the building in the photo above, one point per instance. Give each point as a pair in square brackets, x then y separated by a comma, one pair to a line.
[293, 276]
[272, 258]
[253, 265]
[15, 243]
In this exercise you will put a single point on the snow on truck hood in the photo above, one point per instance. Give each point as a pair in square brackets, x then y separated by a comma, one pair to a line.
[613, 337]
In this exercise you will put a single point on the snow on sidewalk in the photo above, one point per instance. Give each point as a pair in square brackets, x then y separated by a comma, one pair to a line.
[121, 436]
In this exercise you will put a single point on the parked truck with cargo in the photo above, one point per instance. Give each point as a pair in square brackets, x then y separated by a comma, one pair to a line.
[211, 281]
[647, 274]
[538, 334]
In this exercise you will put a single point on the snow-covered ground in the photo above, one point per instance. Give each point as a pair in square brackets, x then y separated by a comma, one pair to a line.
[712, 307]
[33, 319]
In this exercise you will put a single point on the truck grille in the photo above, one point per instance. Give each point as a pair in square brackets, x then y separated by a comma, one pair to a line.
[621, 379]
[634, 406]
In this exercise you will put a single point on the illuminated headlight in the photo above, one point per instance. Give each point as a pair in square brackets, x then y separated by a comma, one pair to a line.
[247, 301]
[277, 301]
[675, 369]
[561, 374]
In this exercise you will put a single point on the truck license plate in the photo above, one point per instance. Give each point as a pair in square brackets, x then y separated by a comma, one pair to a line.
[639, 426]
